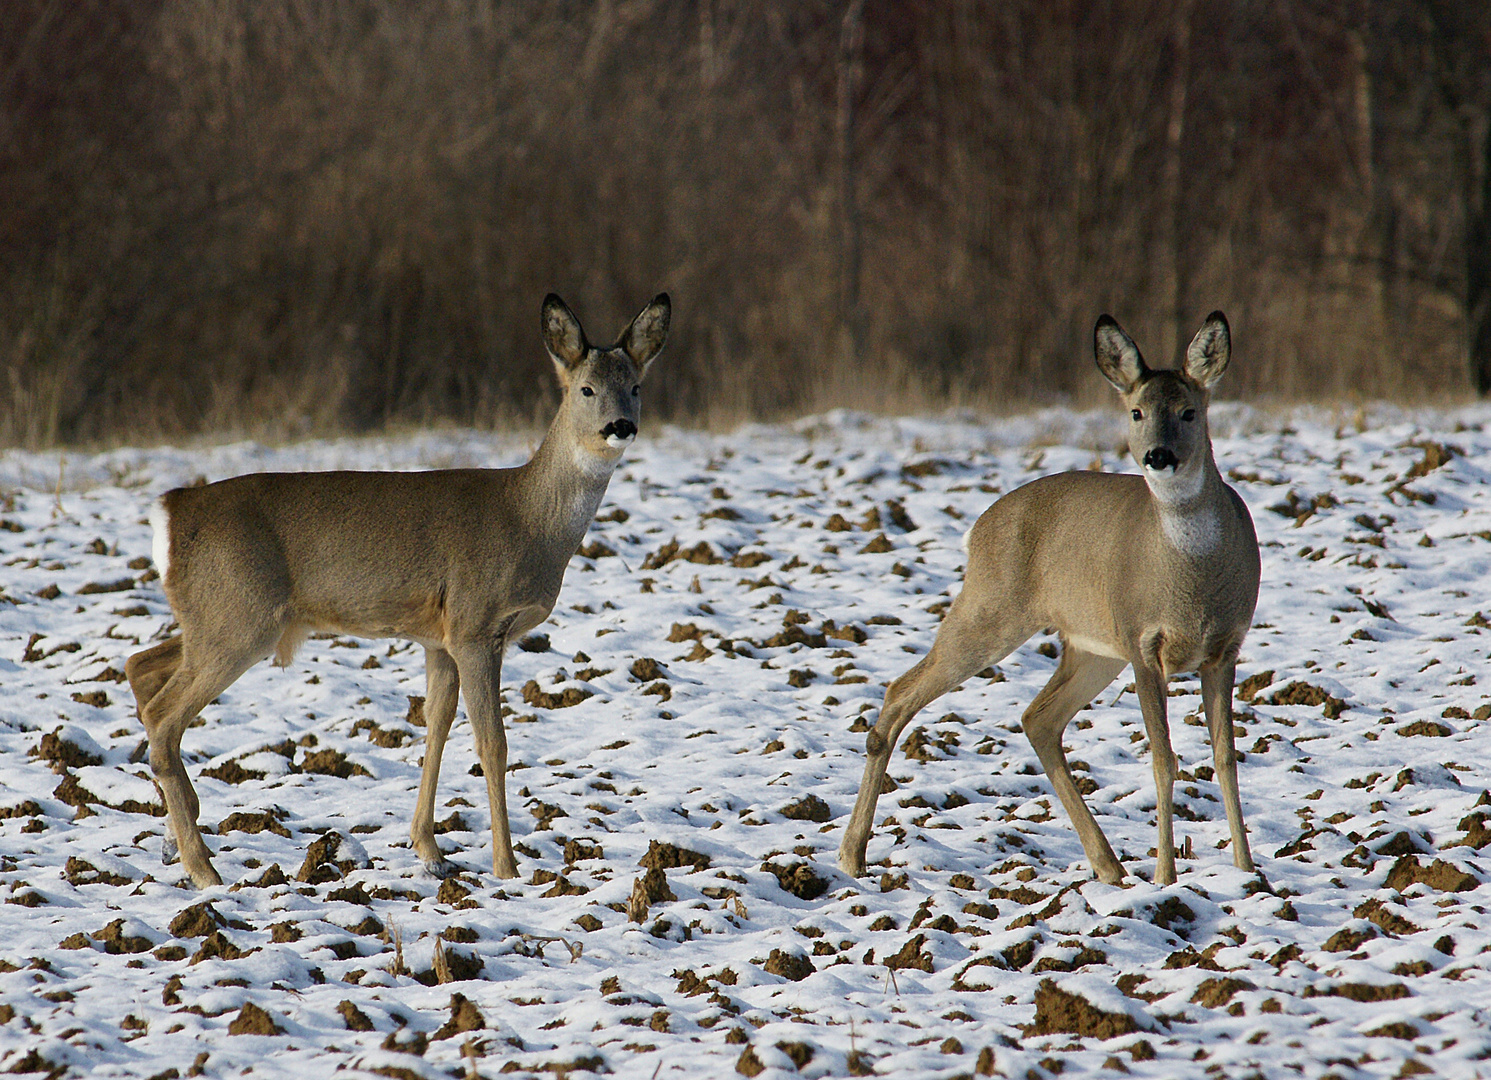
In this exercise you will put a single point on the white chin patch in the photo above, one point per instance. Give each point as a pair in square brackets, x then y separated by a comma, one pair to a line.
[1170, 485]
[616, 442]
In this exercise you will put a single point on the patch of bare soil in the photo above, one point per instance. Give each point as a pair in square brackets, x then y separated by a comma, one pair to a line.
[1060, 1012]
[799, 879]
[252, 1020]
[662, 856]
[788, 965]
[1438, 875]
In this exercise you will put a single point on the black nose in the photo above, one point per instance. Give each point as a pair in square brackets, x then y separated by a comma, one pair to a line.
[1161, 457]
[622, 429]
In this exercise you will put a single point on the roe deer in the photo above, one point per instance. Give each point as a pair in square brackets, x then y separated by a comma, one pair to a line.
[462, 561]
[1159, 571]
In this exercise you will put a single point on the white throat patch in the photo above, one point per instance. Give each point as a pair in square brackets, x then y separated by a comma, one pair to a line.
[1193, 532]
[1193, 529]
[594, 465]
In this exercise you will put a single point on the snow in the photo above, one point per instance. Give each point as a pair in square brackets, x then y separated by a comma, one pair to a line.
[1372, 594]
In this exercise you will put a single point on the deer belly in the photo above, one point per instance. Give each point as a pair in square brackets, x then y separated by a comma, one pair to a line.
[1095, 646]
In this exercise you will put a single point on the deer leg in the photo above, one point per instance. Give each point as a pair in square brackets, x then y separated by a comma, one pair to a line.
[150, 669]
[1216, 695]
[170, 709]
[963, 646]
[480, 666]
[442, 686]
[1151, 692]
[1079, 678]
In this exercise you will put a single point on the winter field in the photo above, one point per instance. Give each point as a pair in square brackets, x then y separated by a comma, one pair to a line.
[686, 747]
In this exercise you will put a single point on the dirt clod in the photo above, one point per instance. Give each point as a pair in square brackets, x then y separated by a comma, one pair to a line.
[1060, 1012]
[263, 821]
[464, 1017]
[252, 1020]
[799, 879]
[199, 920]
[534, 695]
[63, 754]
[661, 856]
[1438, 875]
[1303, 693]
[353, 1017]
[911, 955]
[1214, 993]
[1172, 912]
[788, 965]
[115, 941]
[807, 808]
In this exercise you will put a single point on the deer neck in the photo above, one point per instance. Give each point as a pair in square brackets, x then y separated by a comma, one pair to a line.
[1190, 505]
[563, 485]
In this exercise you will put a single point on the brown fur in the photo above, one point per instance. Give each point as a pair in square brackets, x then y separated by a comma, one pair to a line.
[462, 561]
[1159, 572]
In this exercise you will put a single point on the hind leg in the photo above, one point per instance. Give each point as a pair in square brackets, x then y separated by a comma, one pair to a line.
[150, 669]
[196, 680]
[966, 642]
[1080, 677]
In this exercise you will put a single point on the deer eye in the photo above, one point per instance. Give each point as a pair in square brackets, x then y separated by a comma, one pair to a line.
[636, 390]
[1188, 415]
[1136, 414]
[587, 391]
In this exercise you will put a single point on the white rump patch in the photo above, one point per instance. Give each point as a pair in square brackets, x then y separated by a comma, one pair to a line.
[160, 542]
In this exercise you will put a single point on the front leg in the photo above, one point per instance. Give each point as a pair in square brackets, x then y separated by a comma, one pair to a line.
[442, 685]
[1216, 695]
[480, 667]
[1150, 685]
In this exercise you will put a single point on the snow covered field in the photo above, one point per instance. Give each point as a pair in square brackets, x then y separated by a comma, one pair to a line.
[709, 671]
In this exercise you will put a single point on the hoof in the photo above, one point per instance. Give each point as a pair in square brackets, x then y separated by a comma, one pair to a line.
[168, 850]
[440, 868]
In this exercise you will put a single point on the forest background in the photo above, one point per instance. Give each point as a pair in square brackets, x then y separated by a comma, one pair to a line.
[283, 217]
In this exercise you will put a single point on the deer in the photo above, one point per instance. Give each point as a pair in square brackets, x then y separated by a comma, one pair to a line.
[460, 561]
[1157, 571]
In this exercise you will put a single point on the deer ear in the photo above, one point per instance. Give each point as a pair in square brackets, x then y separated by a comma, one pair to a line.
[645, 337]
[1210, 350]
[1117, 356]
[563, 336]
